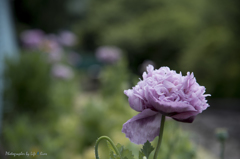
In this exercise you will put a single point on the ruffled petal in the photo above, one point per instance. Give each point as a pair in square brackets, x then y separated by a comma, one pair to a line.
[168, 107]
[134, 100]
[142, 127]
[186, 117]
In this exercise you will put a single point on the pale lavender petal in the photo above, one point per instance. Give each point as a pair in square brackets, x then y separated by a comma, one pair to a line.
[135, 102]
[186, 117]
[168, 107]
[142, 127]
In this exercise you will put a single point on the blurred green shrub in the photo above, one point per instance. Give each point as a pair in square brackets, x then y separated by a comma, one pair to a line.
[114, 78]
[176, 143]
[27, 83]
[37, 107]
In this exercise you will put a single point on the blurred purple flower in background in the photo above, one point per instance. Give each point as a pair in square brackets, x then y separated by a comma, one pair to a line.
[32, 39]
[50, 44]
[54, 50]
[62, 71]
[162, 92]
[67, 38]
[108, 54]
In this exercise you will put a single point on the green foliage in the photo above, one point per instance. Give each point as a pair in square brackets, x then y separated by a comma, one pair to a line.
[47, 131]
[176, 143]
[147, 149]
[37, 108]
[114, 78]
[94, 123]
[124, 153]
[27, 83]
[199, 36]
[141, 155]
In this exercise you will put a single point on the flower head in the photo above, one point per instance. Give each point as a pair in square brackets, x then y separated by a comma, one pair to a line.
[67, 38]
[108, 54]
[32, 39]
[162, 92]
[62, 71]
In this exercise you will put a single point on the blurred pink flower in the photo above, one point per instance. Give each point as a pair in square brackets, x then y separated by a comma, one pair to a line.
[108, 54]
[32, 39]
[49, 44]
[162, 92]
[52, 48]
[67, 38]
[62, 71]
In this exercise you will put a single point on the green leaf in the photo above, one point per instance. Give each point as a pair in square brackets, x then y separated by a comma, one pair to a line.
[119, 147]
[147, 149]
[141, 155]
[125, 153]
[112, 156]
[111, 149]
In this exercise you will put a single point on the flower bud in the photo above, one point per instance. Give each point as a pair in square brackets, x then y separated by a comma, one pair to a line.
[221, 134]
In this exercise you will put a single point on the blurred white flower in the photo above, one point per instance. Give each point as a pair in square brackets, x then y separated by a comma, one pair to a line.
[62, 71]
[108, 54]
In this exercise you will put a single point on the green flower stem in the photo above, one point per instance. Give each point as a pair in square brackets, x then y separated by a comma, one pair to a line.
[110, 141]
[222, 150]
[160, 137]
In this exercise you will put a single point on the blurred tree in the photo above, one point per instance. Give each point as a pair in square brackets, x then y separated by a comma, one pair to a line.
[199, 36]
[48, 15]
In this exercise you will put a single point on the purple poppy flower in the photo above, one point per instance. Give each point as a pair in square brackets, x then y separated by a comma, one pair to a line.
[32, 39]
[162, 92]
[108, 54]
[62, 71]
[67, 38]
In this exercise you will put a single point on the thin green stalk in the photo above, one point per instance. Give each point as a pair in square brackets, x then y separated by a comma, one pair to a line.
[110, 141]
[160, 137]
[222, 149]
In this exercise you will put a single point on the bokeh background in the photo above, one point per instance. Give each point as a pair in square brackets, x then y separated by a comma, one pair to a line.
[62, 88]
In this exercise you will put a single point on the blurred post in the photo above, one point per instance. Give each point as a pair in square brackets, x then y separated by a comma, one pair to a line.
[8, 46]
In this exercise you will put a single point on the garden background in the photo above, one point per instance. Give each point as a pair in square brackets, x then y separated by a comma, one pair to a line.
[60, 94]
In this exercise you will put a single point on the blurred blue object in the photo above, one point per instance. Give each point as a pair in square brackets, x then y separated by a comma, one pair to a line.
[8, 46]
